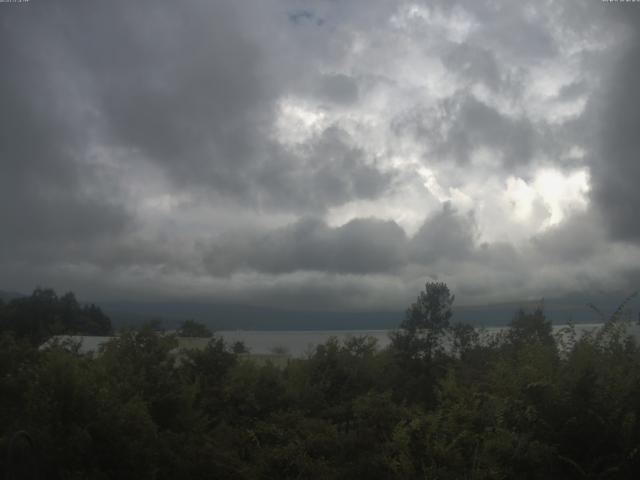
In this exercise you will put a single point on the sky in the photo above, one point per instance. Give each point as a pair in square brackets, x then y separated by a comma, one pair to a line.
[326, 154]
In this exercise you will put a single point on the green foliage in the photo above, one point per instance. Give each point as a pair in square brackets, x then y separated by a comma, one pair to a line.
[530, 328]
[458, 406]
[432, 309]
[419, 345]
[191, 328]
[426, 322]
[43, 314]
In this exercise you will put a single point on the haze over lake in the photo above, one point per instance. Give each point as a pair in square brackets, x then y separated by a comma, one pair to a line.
[299, 343]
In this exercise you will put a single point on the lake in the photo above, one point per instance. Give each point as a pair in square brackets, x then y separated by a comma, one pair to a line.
[298, 343]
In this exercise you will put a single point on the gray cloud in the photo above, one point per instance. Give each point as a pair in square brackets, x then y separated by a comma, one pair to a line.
[516, 32]
[361, 246]
[338, 88]
[445, 236]
[45, 195]
[474, 63]
[327, 170]
[577, 239]
[479, 125]
[616, 165]
[518, 36]
[192, 90]
[135, 137]
[572, 91]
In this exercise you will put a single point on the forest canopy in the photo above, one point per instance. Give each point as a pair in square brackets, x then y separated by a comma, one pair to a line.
[443, 400]
[42, 314]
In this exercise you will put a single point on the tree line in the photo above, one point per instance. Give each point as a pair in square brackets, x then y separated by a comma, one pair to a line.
[442, 401]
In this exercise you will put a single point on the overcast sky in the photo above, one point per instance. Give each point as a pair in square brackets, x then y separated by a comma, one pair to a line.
[325, 154]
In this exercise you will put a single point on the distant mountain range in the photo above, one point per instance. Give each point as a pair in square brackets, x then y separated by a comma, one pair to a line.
[6, 296]
[241, 317]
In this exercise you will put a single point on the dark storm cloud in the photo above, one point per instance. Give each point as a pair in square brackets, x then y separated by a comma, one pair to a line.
[326, 170]
[198, 97]
[457, 127]
[577, 239]
[361, 246]
[44, 195]
[616, 163]
[188, 87]
[475, 124]
[113, 113]
[446, 235]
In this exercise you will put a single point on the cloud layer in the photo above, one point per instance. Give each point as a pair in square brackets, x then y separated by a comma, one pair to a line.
[322, 154]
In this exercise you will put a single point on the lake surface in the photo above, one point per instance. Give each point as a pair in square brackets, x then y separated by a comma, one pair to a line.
[299, 343]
